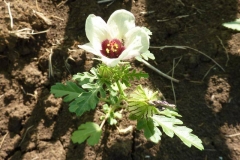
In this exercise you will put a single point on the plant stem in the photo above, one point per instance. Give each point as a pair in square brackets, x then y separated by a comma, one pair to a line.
[103, 121]
[159, 72]
[120, 88]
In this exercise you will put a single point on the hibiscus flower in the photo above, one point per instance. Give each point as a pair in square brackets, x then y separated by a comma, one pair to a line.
[118, 39]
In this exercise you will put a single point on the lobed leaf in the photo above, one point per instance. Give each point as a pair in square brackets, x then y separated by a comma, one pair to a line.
[143, 94]
[85, 77]
[169, 127]
[169, 113]
[138, 103]
[86, 102]
[139, 110]
[89, 131]
[150, 130]
[136, 75]
[70, 91]
[112, 116]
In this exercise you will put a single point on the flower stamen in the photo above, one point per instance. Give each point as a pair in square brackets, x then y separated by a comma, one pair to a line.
[112, 49]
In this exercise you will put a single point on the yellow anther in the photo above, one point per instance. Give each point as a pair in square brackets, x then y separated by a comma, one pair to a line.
[107, 50]
[108, 44]
[116, 45]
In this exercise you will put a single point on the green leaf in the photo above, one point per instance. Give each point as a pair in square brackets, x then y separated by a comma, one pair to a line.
[235, 25]
[111, 115]
[143, 94]
[70, 91]
[89, 131]
[85, 77]
[150, 130]
[118, 115]
[169, 126]
[137, 75]
[169, 113]
[96, 87]
[112, 121]
[128, 76]
[139, 110]
[138, 103]
[86, 102]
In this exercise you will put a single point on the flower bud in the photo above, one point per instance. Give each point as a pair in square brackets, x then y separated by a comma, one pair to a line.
[104, 71]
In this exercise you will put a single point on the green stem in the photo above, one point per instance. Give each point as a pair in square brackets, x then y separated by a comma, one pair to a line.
[120, 88]
[104, 100]
[106, 117]
[103, 123]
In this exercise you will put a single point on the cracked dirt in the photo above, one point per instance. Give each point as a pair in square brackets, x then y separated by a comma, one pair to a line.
[35, 125]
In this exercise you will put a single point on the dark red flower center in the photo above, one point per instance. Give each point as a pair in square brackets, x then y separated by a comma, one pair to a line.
[112, 49]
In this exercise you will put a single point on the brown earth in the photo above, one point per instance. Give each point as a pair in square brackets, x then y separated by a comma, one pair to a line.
[35, 125]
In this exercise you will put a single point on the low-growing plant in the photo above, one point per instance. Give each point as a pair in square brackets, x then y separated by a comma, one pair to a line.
[113, 42]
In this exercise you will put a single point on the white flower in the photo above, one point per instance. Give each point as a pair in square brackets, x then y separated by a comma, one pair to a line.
[118, 39]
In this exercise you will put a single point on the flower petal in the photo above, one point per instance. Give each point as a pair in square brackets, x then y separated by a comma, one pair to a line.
[89, 48]
[120, 22]
[97, 31]
[111, 62]
[136, 42]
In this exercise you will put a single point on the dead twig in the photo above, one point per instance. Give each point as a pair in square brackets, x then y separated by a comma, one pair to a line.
[104, 1]
[25, 33]
[30, 94]
[67, 65]
[56, 17]
[180, 58]
[125, 130]
[178, 17]
[181, 2]
[233, 135]
[10, 14]
[208, 72]
[159, 72]
[61, 3]
[37, 5]
[3, 139]
[174, 95]
[50, 68]
[44, 18]
[147, 13]
[25, 135]
[226, 64]
[186, 47]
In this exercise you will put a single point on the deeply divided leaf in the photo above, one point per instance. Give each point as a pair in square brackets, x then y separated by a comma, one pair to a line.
[138, 103]
[150, 130]
[70, 91]
[85, 77]
[170, 127]
[86, 102]
[89, 131]
[139, 110]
